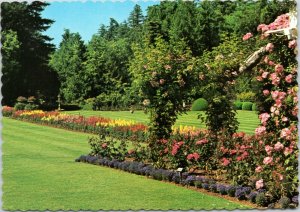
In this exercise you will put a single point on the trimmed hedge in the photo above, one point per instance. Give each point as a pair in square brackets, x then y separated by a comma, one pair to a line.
[247, 106]
[254, 107]
[238, 105]
[199, 105]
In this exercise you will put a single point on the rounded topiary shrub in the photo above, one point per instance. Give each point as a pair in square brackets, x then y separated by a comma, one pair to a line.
[247, 106]
[19, 106]
[254, 107]
[31, 107]
[261, 199]
[238, 105]
[199, 105]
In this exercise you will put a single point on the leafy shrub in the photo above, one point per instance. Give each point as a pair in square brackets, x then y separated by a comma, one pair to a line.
[252, 196]
[238, 105]
[199, 105]
[231, 190]
[205, 186]
[31, 99]
[213, 188]
[261, 199]
[7, 111]
[254, 107]
[176, 178]
[31, 106]
[295, 199]
[247, 106]
[189, 181]
[240, 193]
[19, 106]
[22, 99]
[222, 189]
[246, 96]
[284, 202]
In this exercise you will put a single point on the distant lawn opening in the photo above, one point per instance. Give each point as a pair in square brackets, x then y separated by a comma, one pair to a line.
[248, 119]
[39, 173]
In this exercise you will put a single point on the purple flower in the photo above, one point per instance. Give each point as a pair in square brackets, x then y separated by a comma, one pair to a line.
[295, 199]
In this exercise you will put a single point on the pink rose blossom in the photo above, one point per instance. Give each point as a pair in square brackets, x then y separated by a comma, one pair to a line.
[258, 169]
[295, 111]
[273, 109]
[161, 81]
[278, 103]
[104, 145]
[279, 68]
[261, 26]
[260, 130]
[268, 149]
[203, 141]
[275, 79]
[268, 160]
[247, 36]
[225, 161]
[266, 92]
[278, 146]
[292, 44]
[271, 63]
[274, 94]
[287, 151]
[264, 118]
[285, 133]
[259, 184]
[259, 78]
[295, 99]
[265, 75]
[284, 119]
[289, 78]
[195, 156]
[270, 47]
[266, 59]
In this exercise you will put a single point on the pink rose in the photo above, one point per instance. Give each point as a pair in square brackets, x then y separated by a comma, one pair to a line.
[284, 119]
[292, 44]
[289, 78]
[287, 151]
[264, 117]
[225, 161]
[104, 145]
[271, 63]
[203, 141]
[265, 75]
[295, 99]
[269, 47]
[278, 146]
[259, 184]
[285, 133]
[274, 94]
[267, 160]
[259, 78]
[260, 130]
[247, 36]
[266, 59]
[278, 68]
[268, 149]
[266, 92]
[275, 79]
[258, 169]
[161, 81]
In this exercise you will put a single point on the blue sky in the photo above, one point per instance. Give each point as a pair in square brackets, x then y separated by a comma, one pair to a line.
[86, 17]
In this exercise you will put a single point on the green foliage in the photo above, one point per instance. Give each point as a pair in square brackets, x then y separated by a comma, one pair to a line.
[25, 51]
[164, 75]
[246, 96]
[67, 61]
[261, 199]
[238, 105]
[20, 106]
[254, 107]
[108, 148]
[247, 106]
[30, 106]
[199, 105]
[284, 202]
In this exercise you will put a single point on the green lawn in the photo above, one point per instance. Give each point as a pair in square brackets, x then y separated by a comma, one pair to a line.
[248, 119]
[39, 173]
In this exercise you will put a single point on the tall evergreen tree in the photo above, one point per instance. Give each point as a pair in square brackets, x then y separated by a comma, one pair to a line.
[67, 62]
[136, 17]
[34, 75]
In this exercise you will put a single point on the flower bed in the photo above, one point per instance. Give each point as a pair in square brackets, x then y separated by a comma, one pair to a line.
[120, 129]
[252, 194]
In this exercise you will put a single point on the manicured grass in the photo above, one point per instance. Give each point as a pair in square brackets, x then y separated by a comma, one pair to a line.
[39, 173]
[248, 119]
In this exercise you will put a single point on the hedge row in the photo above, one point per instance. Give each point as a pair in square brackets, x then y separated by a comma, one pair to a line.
[245, 106]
